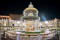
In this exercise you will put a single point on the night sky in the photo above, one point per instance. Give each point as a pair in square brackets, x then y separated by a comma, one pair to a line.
[48, 9]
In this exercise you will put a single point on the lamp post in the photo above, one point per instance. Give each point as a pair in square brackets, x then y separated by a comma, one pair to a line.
[18, 35]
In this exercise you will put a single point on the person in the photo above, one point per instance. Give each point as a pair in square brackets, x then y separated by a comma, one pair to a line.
[3, 35]
[47, 31]
[12, 24]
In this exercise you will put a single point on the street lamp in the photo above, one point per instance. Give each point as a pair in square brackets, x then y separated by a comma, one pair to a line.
[46, 22]
[18, 35]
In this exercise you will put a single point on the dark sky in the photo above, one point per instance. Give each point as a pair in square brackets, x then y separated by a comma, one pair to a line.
[47, 8]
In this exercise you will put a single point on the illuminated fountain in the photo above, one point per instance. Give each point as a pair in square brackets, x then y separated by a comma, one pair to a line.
[30, 19]
[31, 22]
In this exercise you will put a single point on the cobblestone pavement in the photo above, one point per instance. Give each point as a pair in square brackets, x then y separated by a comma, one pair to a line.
[54, 38]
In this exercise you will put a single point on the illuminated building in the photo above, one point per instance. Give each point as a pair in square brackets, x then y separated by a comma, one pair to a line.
[4, 20]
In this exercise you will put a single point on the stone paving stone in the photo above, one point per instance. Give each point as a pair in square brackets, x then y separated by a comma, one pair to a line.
[31, 38]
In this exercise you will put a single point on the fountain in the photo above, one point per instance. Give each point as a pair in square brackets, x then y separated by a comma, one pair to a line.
[31, 29]
[31, 19]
